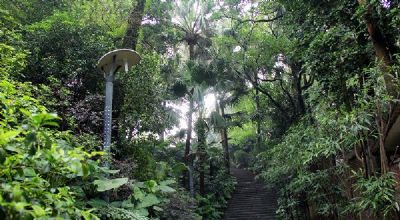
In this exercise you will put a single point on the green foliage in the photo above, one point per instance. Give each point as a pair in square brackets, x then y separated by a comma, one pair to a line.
[38, 161]
[63, 55]
[310, 158]
[108, 15]
[376, 194]
[208, 208]
[140, 152]
[201, 130]
[149, 194]
[12, 56]
[27, 12]
[145, 200]
[217, 121]
[81, 46]
[104, 185]
[220, 188]
[46, 172]
[180, 206]
[140, 98]
[114, 213]
[240, 135]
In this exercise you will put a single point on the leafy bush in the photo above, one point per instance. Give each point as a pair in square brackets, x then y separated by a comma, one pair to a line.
[220, 188]
[12, 57]
[312, 162]
[140, 152]
[145, 200]
[42, 170]
[209, 208]
[114, 213]
[376, 194]
[63, 55]
[179, 206]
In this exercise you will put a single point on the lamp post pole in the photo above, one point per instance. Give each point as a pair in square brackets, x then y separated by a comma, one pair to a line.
[110, 63]
[108, 112]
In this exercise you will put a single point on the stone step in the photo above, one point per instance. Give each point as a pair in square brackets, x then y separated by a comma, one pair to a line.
[251, 199]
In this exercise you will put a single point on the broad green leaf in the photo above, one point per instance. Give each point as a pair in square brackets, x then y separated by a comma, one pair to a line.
[29, 172]
[166, 189]
[43, 119]
[104, 185]
[19, 206]
[157, 208]
[137, 193]
[5, 137]
[151, 185]
[38, 211]
[167, 182]
[142, 212]
[127, 204]
[51, 123]
[107, 170]
[87, 215]
[25, 112]
[148, 201]
[97, 203]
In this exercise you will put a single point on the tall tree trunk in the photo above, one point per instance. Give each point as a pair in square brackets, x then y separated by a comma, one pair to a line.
[376, 35]
[382, 130]
[129, 41]
[134, 23]
[191, 180]
[191, 51]
[188, 159]
[201, 178]
[381, 48]
[299, 92]
[258, 121]
[162, 133]
[224, 140]
[258, 118]
[383, 54]
[189, 128]
[201, 142]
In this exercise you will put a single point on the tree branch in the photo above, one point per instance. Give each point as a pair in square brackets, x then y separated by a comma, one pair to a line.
[287, 94]
[261, 20]
[266, 93]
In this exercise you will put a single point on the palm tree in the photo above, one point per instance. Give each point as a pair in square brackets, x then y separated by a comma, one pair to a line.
[201, 130]
[189, 17]
[226, 92]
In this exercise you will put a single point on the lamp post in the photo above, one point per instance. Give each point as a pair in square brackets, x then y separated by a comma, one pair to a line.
[109, 64]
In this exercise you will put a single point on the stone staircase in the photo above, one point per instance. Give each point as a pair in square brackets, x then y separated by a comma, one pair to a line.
[251, 200]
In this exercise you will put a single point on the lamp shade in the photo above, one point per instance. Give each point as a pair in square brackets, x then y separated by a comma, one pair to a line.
[124, 58]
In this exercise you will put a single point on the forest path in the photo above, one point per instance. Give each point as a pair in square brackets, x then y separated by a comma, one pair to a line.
[251, 199]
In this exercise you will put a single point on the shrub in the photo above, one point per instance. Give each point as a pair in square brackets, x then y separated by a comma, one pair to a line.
[42, 170]
[179, 206]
